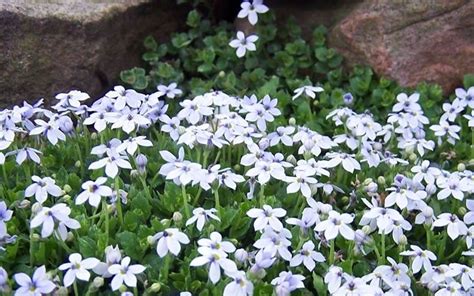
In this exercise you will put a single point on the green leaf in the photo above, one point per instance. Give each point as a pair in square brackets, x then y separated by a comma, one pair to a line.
[130, 244]
[193, 18]
[150, 43]
[319, 285]
[87, 247]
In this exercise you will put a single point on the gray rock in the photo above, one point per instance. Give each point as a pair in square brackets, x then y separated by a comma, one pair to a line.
[48, 48]
[410, 41]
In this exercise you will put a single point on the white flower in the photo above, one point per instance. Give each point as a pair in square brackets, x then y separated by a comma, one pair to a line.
[112, 162]
[50, 129]
[230, 179]
[455, 226]
[124, 272]
[239, 286]
[26, 153]
[215, 261]
[300, 182]
[42, 187]
[466, 273]
[93, 191]
[194, 110]
[445, 129]
[130, 121]
[425, 172]
[451, 111]
[452, 288]
[282, 134]
[407, 103]
[38, 285]
[131, 144]
[333, 278]
[112, 256]
[267, 216]
[274, 243]
[421, 258]
[307, 255]
[49, 216]
[100, 119]
[336, 224]
[77, 268]
[452, 186]
[171, 91]
[349, 163]
[200, 216]
[72, 98]
[287, 282]
[243, 43]
[251, 10]
[309, 90]
[353, 286]
[469, 216]
[170, 240]
[466, 97]
[124, 97]
[215, 244]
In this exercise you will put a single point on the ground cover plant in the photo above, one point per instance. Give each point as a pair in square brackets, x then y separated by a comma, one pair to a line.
[220, 170]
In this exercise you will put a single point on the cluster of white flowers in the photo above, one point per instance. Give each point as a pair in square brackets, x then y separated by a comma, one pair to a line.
[415, 199]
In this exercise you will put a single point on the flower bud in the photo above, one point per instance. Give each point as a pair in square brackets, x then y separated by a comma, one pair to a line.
[291, 159]
[211, 228]
[24, 204]
[462, 211]
[67, 197]
[221, 74]
[345, 199]
[134, 174]
[366, 229]
[237, 167]
[403, 240]
[181, 129]
[177, 217]
[378, 146]
[36, 208]
[165, 221]
[78, 164]
[427, 211]
[94, 136]
[367, 181]
[70, 237]
[381, 180]
[35, 237]
[141, 161]
[155, 287]
[413, 157]
[150, 240]
[67, 188]
[348, 99]
[461, 167]
[241, 255]
[471, 162]
[315, 103]
[123, 288]
[372, 187]
[292, 121]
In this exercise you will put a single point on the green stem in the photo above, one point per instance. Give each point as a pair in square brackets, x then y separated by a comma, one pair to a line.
[5, 176]
[428, 237]
[145, 187]
[331, 252]
[76, 292]
[442, 247]
[118, 202]
[106, 213]
[196, 198]
[377, 253]
[32, 252]
[216, 200]
[262, 195]
[187, 213]
[382, 242]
